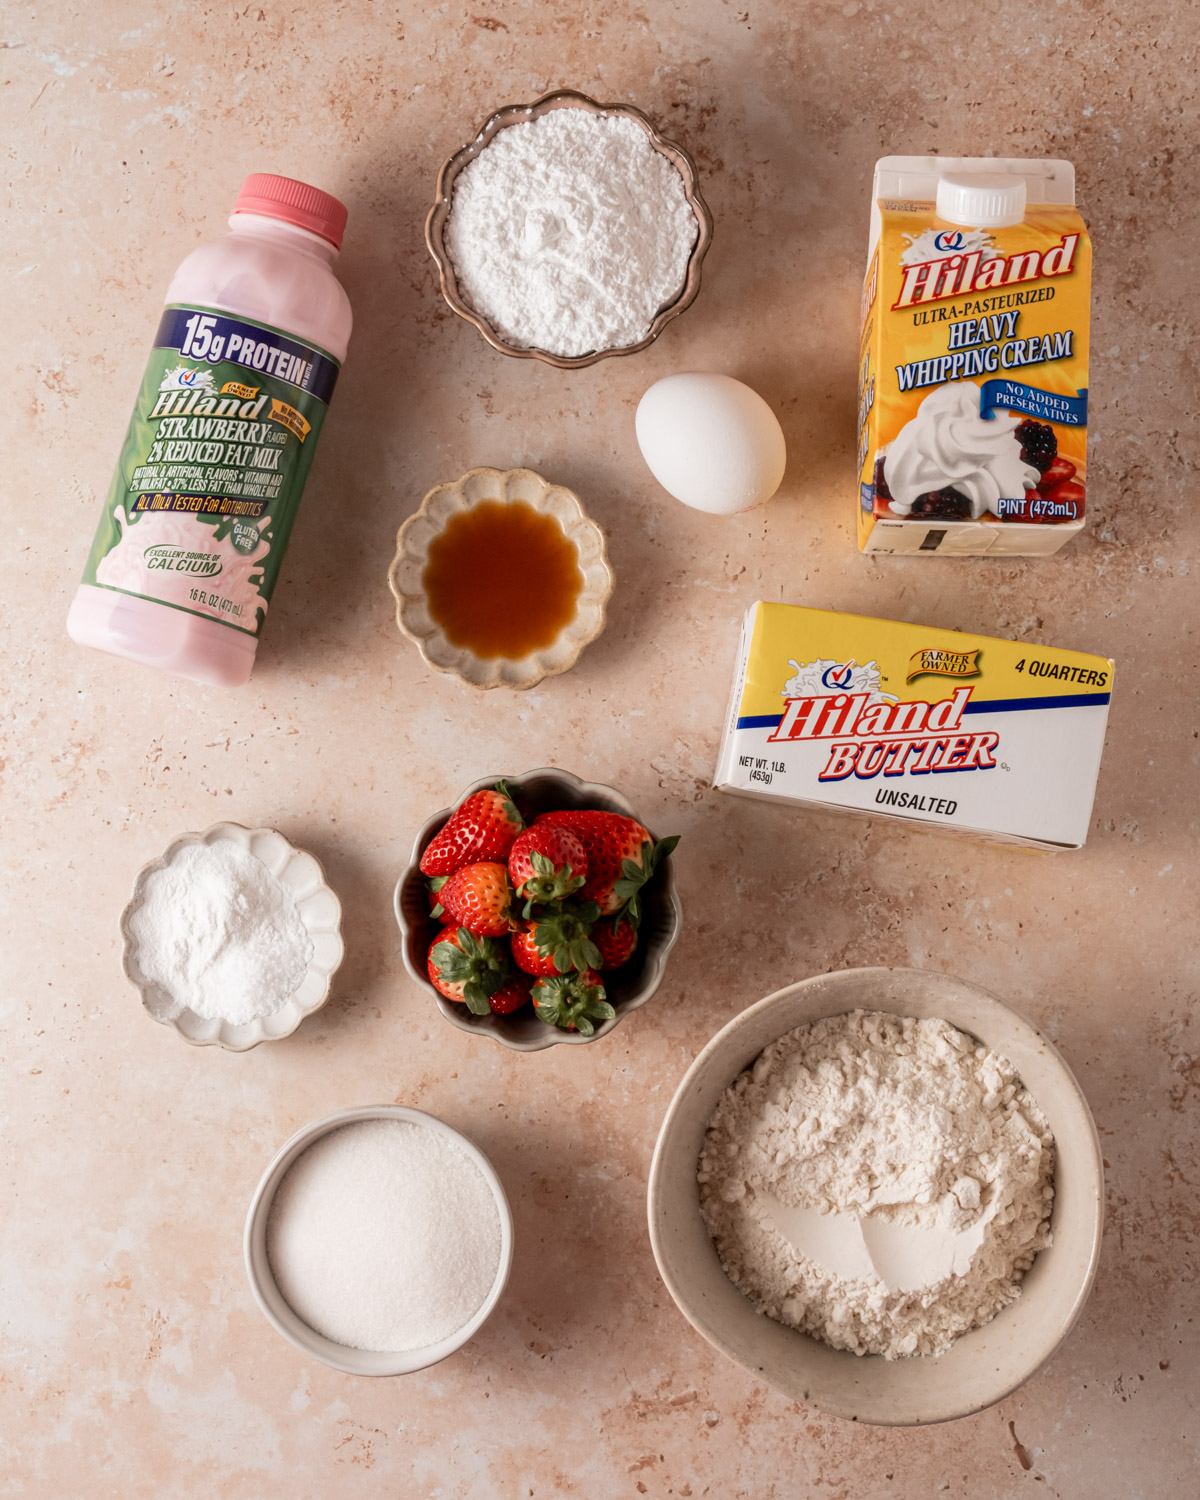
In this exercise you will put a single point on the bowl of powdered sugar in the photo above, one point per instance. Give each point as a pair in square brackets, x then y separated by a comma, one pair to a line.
[379, 1240]
[232, 936]
[568, 230]
[880, 1189]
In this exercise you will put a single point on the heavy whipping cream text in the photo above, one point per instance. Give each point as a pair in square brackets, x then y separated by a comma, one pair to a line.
[841, 711]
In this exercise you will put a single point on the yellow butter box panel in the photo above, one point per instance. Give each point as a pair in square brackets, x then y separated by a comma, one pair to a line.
[1000, 739]
[973, 359]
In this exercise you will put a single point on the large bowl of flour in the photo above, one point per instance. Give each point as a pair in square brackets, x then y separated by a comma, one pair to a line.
[970, 1371]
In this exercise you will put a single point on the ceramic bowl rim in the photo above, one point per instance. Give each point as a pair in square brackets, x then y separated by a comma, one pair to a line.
[1067, 1085]
[550, 1036]
[598, 598]
[513, 114]
[270, 1300]
[250, 1033]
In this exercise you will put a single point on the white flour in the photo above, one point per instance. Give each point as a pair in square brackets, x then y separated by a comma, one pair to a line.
[569, 232]
[220, 934]
[879, 1182]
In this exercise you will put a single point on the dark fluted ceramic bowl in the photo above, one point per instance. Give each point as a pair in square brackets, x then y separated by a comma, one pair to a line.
[628, 987]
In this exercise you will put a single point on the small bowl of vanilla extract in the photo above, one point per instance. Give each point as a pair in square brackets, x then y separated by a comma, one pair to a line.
[501, 578]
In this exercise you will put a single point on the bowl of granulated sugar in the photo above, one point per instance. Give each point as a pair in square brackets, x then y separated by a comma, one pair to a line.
[379, 1240]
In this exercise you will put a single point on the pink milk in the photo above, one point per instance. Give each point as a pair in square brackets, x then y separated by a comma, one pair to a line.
[253, 333]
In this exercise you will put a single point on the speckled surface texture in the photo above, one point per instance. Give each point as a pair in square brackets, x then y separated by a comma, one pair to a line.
[133, 1361]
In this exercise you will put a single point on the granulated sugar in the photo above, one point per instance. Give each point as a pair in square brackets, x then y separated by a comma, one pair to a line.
[384, 1235]
[220, 934]
[880, 1182]
[569, 232]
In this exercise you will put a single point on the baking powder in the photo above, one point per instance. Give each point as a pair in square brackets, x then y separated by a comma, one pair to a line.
[879, 1182]
[219, 935]
[569, 232]
[384, 1235]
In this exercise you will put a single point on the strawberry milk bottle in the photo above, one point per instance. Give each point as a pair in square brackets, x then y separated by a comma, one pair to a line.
[243, 367]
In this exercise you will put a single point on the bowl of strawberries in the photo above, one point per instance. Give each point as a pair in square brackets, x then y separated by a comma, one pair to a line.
[538, 910]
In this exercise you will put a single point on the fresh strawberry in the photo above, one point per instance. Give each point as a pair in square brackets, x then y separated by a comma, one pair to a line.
[477, 897]
[572, 1002]
[1059, 470]
[557, 940]
[615, 942]
[546, 864]
[483, 828]
[622, 857]
[469, 970]
[511, 995]
[607, 838]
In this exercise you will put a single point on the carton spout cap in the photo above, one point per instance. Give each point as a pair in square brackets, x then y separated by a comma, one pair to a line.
[981, 200]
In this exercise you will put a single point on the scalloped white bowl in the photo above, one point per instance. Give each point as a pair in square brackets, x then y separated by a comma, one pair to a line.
[628, 987]
[319, 909]
[509, 486]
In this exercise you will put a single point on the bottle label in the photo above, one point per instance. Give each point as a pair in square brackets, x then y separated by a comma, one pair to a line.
[213, 466]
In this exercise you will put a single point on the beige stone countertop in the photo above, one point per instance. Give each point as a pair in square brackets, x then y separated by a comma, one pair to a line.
[133, 1361]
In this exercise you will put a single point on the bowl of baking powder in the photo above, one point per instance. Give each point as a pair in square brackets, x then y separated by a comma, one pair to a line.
[568, 231]
[232, 936]
[379, 1240]
[881, 1190]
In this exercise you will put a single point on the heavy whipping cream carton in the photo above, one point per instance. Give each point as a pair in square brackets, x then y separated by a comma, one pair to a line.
[973, 361]
[995, 738]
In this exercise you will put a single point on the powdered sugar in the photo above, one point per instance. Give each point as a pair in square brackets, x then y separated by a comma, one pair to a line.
[218, 934]
[817, 678]
[569, 232]
[384, 1235]
[879, 1182]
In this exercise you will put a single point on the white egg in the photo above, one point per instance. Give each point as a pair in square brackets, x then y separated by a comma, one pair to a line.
[711, 442]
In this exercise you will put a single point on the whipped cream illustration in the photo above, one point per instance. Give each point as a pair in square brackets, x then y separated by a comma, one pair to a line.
[816, 678]
[948, 445]
[924, 247]
[167, 556]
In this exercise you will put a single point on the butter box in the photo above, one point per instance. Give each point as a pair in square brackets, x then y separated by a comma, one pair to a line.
[998, 739]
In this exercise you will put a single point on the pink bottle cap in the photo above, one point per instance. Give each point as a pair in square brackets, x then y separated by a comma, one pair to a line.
[295, 203]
